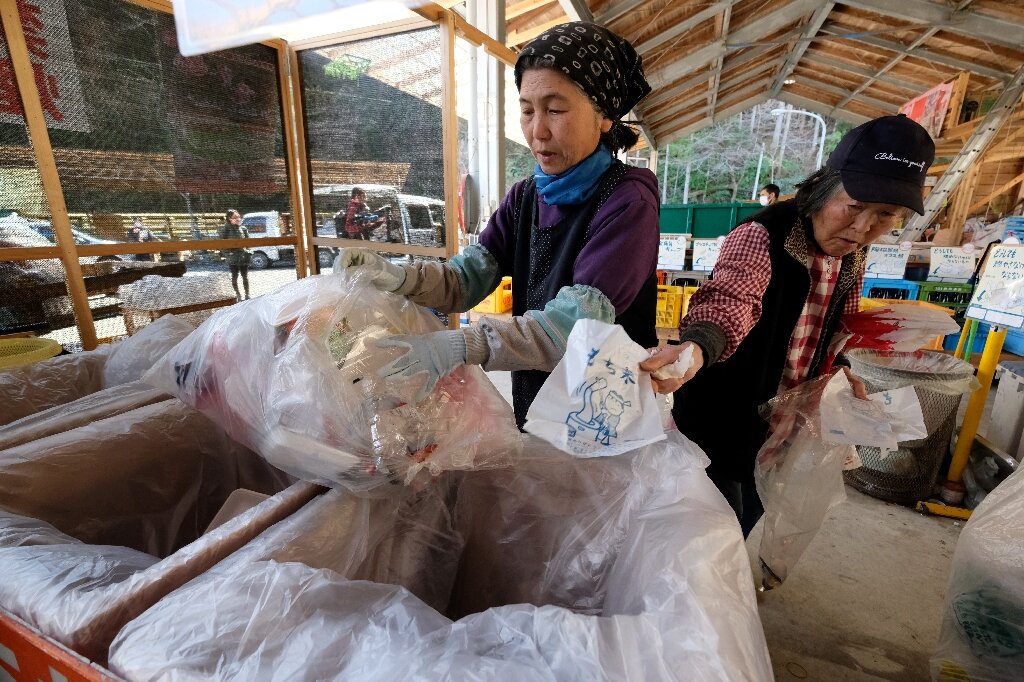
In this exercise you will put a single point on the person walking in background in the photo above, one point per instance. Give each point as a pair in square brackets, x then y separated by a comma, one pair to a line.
[138, 234]
[769, 194]
[237, 259]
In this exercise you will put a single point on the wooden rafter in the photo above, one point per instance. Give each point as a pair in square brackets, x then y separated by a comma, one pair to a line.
[722, 31]
[793, 58]
[518, 9]
[957, 19]
[527, 34]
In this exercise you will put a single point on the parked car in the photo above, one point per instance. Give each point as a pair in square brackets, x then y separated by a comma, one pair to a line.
[267, 224]
[45, 228]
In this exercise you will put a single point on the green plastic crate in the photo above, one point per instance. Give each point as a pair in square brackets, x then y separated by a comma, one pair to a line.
[948, 294]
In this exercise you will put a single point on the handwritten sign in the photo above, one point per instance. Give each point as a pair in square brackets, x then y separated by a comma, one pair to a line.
[951, 264]
[886, 261]
[999, 297]
[672, 252]
[705, 253]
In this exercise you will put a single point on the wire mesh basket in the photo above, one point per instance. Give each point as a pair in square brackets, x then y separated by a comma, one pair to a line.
[910, 473]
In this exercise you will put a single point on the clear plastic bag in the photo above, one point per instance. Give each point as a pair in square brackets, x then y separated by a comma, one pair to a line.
[556, 568]
[132, 357]
[798, 472]
[982, 633]
[28, 389]
[292, 374]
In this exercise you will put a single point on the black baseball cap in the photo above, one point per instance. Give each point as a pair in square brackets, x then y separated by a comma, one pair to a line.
[885, 161]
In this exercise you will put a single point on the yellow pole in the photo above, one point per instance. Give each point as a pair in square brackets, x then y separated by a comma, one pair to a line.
[976, 405]
[961, 342]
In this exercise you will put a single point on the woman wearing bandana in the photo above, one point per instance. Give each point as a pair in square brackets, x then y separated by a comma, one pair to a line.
[579, 238]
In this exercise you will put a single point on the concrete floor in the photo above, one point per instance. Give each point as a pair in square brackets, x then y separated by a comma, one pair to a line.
[865, 601]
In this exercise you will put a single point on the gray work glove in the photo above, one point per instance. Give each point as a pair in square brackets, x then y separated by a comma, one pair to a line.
[437, 354]
[386, 276]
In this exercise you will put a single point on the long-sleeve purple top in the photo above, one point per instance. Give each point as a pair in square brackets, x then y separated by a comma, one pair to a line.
[622, 253]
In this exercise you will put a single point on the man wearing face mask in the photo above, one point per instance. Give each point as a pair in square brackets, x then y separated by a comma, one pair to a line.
[769, 194]
[764, 323]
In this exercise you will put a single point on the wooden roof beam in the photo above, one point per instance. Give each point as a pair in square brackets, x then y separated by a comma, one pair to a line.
[824, 109]
[518, 9]
[661, 96]
[617, 10]
[682, 107]
[528, 34]
[577, 10]
[743, 105]
[953, 62]
[866, 73]
[818, 84]
[942, 18]
[803, 42]
[751, 33]
[682, 27]
[716, 76]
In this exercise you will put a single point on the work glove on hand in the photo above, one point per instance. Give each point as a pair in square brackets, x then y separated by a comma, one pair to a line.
[437, 354]
[386, 276]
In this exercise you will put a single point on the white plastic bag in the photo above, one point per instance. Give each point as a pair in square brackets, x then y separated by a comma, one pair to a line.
[982, 633]
[132, 357]
[292, 374]
[597, 402]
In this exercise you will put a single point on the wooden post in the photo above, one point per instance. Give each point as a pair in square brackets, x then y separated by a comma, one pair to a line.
[956, 100]
[40, 136]
[450, 141]
[296, 160]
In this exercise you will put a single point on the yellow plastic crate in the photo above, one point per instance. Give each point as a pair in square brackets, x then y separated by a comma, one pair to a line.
[670, 305]
[687, 293]
[499, 300]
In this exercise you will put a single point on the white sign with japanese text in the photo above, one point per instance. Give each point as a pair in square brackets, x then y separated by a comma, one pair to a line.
[999, 297]
[45, 23]
[672, 252]
[705, 253]
[951, 264]
[886, 261]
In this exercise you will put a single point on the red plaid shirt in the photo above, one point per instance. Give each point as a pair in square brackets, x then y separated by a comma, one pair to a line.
[732, 299]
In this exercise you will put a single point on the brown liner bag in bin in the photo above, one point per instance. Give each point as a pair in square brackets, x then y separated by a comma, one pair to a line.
[105, 502]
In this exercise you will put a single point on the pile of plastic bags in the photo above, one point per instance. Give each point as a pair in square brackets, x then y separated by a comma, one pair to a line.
[292, 375]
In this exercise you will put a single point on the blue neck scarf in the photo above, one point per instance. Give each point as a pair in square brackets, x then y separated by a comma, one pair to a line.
[576, 185]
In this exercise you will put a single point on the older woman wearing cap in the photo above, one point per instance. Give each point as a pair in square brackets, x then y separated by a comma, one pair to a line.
[765, 321]
[579, 238]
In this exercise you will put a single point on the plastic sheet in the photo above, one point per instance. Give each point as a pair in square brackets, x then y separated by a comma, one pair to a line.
[982, 633]
[132, 357]
[619, 568]
[87, 409]
[150, 479]
[292, 375]
[28, 389]
[82, 594]
[798, 476]
[897, 327]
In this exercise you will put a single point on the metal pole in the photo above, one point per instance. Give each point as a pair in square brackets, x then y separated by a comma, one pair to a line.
[664, 185]
[757, 176]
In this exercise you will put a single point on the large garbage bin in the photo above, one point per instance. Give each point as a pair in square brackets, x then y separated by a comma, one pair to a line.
[909, 474]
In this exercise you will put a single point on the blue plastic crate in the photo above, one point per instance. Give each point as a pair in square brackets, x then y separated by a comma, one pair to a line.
[1014, 342]
[895, 289]
[979, 338]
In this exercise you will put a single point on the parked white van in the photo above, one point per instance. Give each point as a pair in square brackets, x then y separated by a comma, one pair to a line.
[266, 224]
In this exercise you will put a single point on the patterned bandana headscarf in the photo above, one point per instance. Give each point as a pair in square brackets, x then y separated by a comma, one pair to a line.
[605, 65]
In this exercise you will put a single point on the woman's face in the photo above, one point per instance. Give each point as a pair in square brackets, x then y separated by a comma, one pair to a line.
[559, 121]
[845, 225]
